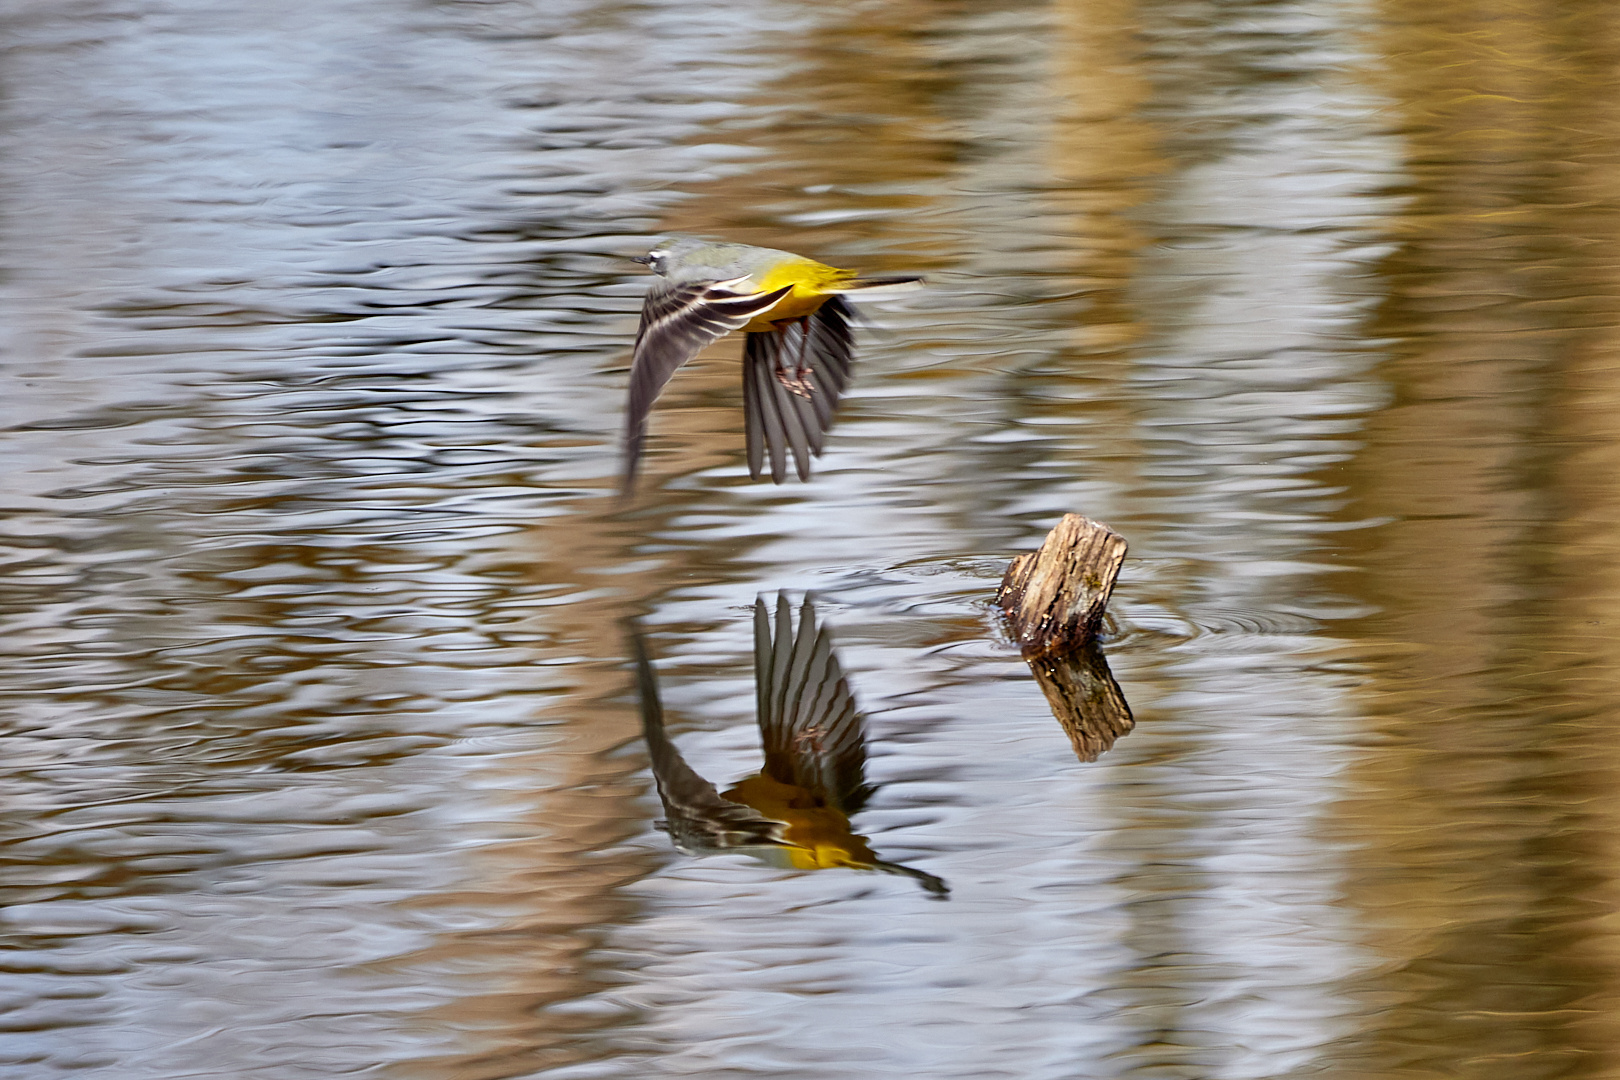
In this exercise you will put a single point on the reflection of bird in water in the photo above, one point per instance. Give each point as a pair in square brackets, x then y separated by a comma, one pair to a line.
[795, 812]
[797, 352]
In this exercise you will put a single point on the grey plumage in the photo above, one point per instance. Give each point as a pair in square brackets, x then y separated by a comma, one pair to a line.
[698, 819]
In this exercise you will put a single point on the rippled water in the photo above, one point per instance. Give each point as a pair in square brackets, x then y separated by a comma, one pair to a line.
[322, 753]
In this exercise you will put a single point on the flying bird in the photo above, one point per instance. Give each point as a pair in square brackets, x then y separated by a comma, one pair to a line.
[797, 351]
[795, 812]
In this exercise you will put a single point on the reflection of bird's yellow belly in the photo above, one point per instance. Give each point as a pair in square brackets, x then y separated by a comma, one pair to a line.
[818, 836]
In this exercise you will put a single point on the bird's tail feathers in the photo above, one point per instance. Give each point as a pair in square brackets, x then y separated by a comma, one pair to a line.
[932, 885]
[878, 287]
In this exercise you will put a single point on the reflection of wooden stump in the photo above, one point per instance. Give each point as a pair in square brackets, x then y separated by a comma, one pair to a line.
[1054, 598]
[1085, 699]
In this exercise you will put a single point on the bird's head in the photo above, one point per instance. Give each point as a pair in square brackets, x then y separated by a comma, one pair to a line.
[681, 256]
[656, 260]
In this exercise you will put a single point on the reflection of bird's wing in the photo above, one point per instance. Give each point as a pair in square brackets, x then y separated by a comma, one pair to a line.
[807, 717]
[677, 320]
[776, 420]
[699, 820]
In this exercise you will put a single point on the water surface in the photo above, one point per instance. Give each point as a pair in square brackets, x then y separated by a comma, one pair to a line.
[322, 756]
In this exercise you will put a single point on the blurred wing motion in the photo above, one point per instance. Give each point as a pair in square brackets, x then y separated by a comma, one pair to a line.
[678, 320]
[814, 737]
[777, 421]
[699, 820]
[815, 748]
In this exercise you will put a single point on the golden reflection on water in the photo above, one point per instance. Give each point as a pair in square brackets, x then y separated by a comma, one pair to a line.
[1482, 859]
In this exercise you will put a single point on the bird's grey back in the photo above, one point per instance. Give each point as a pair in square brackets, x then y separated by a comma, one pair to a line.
[691, 259]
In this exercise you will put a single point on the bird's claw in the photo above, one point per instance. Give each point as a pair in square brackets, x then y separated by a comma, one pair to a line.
[796, 382]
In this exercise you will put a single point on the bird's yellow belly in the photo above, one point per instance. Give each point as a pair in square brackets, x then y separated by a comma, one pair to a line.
[796, 305]
[811, 283]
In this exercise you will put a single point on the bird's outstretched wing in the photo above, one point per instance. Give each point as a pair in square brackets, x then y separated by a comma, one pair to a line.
[775, 419]
[812, 731]
[699, 820]
[677, 320]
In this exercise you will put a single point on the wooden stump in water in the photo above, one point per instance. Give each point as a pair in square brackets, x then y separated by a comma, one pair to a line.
[1054, 598]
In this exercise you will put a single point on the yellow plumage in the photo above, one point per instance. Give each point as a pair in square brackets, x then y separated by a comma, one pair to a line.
[817, 836]
[812, 283]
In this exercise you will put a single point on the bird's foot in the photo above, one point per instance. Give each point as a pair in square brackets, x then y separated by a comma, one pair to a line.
[796, 382]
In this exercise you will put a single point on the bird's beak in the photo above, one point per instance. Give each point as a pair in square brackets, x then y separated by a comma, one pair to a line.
[644, 260]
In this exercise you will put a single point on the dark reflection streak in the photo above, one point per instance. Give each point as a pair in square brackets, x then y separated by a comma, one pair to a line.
[1586, 567]
[795, 812]
[1079, 235]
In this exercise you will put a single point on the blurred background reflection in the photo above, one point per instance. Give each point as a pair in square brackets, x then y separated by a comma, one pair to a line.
[323, 752]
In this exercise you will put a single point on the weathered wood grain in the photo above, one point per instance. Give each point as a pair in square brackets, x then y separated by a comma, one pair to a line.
[1085, 699]
[1054, 598]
